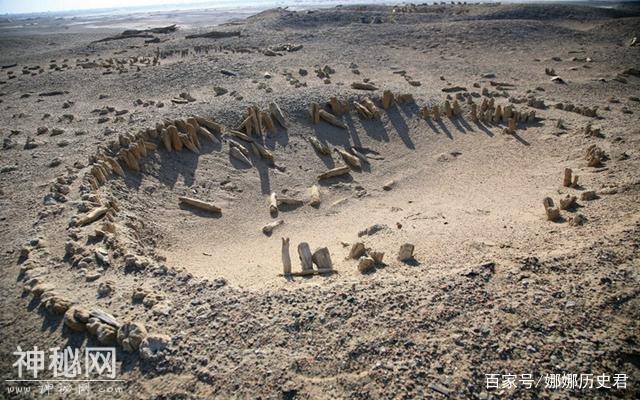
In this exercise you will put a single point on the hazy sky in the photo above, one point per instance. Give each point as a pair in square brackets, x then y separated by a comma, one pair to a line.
[27, 6]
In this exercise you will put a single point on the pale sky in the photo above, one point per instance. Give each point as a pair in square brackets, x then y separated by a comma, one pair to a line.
[27, 6]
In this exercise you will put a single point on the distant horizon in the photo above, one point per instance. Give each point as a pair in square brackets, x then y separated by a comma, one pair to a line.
[26, 7]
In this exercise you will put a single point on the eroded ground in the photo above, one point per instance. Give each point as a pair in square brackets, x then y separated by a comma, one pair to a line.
[494, 287]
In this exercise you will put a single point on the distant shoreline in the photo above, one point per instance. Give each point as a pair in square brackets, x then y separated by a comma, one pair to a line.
[259, 5]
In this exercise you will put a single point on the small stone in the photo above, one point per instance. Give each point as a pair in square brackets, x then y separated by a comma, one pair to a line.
[106, 334]
[588, 195]
[92, 276]
[131, 335]
[154, 345]
[30, 143]
[219, 91]
[72, 322]
[8, 168]
[105, 289]
[577, 220]
[162, 308]
[139, 294]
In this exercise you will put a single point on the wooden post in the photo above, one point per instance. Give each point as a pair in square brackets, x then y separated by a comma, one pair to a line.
[315, 196]
[286, 259]
[304, 252]
[322, 258]
[566, 182]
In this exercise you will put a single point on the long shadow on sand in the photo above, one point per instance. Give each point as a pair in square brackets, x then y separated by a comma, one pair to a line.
[395, 115]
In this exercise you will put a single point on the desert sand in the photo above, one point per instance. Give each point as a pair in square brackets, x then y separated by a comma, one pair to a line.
[451, 126]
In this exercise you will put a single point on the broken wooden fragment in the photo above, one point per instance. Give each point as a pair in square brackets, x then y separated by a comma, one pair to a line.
[252, 112]
[176, 143]
[166, 139]
[247, 125]
[277, 114]
[286, 259]
[315, 113]
[314, 194]
[447, 109]
[115, 166]
[357, 250]
[507, 112]
[322, 259]
[290, 201]
[387, 99]
[204, 132]
[497, 116]
[181, 125]
[406, 252]
[193, 135]
[262, 151]
[424, 112]
[268, 228]
[203, 205]
[349, 158]
[574, 184]
[306, 260]
[359, 155]
[370, 105]
[267, 122]
[377, 256]
[363, 86]
[320, 147]
[511, 127]
[92, 216]
[209, 124]
[97, 173]
[595, 156]
[474, 112]
[566, 182]
[335, 172]
[130, 160]
[336, 108]
[273, 203]
[366, 264]
[236, 153]
[436, 113]
[456, 108]
[568, 202]
[332, 119]
[240, 135]
[188, 143]
[389, 185]
[363, 111]
[553, 213]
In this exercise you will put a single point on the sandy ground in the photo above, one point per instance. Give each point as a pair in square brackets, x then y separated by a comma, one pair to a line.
[493, 287]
